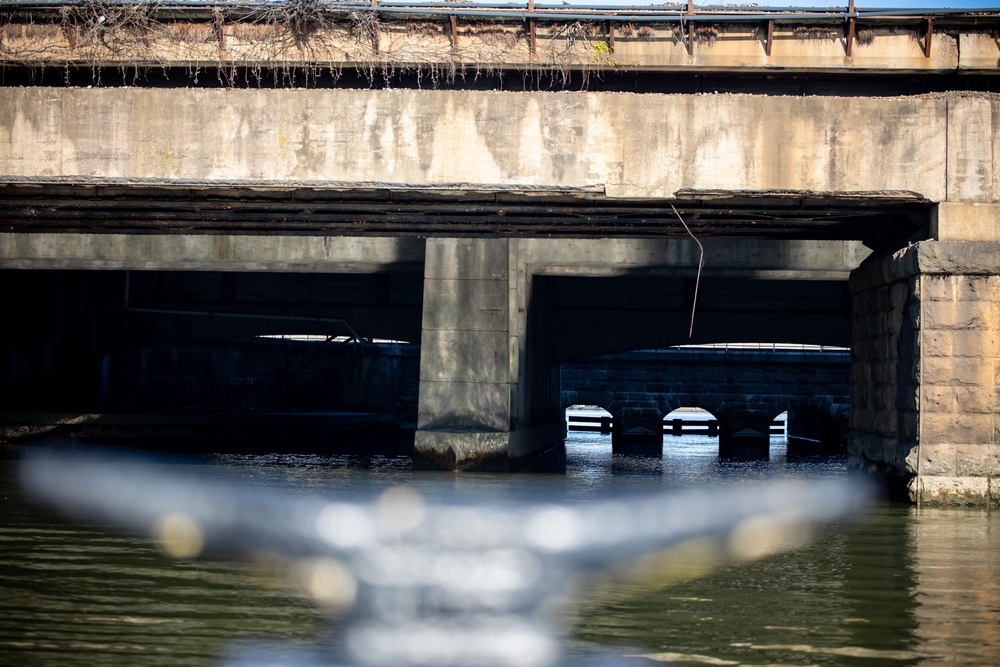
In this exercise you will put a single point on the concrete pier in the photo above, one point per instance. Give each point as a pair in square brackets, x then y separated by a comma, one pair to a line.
[925, 389]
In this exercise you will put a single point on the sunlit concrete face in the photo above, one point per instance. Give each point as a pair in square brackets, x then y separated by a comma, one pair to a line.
[627, 145]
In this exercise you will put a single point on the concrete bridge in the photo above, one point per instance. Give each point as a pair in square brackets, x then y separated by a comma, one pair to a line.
[846, 195]
[744, 389]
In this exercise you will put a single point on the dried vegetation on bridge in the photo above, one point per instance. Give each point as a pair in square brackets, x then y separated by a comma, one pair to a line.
[440, 43]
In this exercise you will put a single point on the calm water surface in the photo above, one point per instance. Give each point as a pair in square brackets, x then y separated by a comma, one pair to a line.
[902, 586]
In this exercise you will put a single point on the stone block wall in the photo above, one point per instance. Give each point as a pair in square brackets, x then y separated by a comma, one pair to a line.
[925, 384]
[742, 388]
[959, 456]
[885, 373]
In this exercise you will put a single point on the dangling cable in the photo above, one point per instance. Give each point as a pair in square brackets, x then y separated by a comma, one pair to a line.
[701, 263]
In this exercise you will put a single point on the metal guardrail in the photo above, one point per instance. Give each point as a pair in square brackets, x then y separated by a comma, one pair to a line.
[685, 15]
[677, 12]
[676, 427]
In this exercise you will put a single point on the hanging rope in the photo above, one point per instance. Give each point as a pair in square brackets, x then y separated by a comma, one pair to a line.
[701, 263]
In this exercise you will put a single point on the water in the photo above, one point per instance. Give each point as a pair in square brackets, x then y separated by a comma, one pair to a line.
[903, 586]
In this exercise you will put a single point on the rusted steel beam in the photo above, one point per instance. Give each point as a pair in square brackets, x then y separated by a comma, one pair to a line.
[454, 32]
[690, 31]
[532, 37]
[927, 38]
[611, 35]
[850, 30]
[770, 38]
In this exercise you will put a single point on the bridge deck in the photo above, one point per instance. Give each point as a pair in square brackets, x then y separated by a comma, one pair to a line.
[450, 41]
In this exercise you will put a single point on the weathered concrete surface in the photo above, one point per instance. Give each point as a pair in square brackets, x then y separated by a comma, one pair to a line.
[966, 222]
[489, 46]
[926, 378]
[477, 407]
[758, 258]
[630, 145]
[208, 252]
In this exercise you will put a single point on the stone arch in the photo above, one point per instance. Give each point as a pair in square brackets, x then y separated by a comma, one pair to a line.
[588, 417]
[675, 426]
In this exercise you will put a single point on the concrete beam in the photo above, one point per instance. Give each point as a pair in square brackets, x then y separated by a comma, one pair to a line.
[749, 258]
[959, 221]
[648, 146]
[209, 252]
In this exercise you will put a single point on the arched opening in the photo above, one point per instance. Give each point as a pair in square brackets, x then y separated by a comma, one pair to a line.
[588, 419]
[690, 421]
[778, 448]
[691, 433]
[588, 441]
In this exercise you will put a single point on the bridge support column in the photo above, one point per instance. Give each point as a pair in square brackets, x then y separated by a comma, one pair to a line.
[485, 403]
[744, 435]
[638, 432]
[925, 385]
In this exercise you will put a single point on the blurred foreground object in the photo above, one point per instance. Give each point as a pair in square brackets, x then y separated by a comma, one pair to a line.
[418, 583]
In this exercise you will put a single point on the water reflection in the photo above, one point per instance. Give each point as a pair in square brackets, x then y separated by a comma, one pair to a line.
[956, 564]
[903, 587]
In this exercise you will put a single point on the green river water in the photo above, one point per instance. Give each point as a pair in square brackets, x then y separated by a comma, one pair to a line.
[900, 586]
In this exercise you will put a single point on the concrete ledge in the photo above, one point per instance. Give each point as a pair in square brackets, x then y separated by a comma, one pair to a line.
[928, 258]
[461, 450]
[898, 485]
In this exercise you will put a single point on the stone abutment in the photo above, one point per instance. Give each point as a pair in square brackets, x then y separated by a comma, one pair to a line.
[925, 383]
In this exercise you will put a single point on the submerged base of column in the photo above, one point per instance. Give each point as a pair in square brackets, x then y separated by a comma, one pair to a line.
[746, 445]
[486, 451]
[645, 444]
[928, 489]
[945, 490]
[896, 481]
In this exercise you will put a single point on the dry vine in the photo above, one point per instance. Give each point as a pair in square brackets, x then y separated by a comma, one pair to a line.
[294, 42]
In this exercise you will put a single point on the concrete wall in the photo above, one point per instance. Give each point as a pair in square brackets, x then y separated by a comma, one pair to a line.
[622, 144]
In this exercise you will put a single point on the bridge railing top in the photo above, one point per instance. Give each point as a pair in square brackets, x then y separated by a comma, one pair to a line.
[792, 347]
[666, 13]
